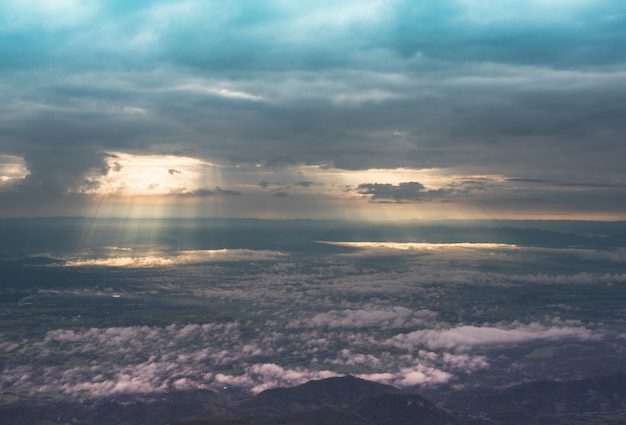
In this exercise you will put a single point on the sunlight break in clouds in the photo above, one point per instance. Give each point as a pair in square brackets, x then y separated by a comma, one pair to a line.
[133, 175]
[399, 110]
[12, 169]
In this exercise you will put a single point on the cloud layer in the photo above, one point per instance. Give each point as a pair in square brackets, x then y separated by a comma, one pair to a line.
[501, 103]
[104, 362]
[442, 315]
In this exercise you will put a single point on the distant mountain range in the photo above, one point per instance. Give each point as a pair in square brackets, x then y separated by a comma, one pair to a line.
[27, 237]
[599, 400]
[348, 401]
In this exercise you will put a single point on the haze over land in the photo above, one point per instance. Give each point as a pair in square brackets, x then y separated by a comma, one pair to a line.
[248, 305]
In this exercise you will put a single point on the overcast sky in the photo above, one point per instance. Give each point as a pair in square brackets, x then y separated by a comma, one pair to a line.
[361, 109]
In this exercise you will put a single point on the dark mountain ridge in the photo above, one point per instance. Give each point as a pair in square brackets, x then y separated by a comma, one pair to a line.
[347, 401]
[343, 400]
[338, 392]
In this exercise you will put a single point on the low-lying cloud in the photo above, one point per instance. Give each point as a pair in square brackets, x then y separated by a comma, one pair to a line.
[463, 338]
[151, 359]
[260, 377]
[183, 257]
[395, 317]
[417, 315]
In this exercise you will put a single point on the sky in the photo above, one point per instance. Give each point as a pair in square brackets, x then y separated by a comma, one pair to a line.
[313, 109]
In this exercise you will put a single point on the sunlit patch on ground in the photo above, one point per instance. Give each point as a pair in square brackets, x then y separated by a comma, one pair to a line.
[173, 259]
[417, 246]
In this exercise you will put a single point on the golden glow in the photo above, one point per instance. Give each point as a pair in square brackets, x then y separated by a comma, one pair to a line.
[431, 178]
[419, 246]
[12, 169]
[149, 175]
[158, 186]
[183, 257]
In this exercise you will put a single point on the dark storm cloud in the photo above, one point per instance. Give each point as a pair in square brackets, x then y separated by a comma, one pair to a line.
[53, 170]
[202, 193]
[403, 191]
[529, 91]
[561, 34]
[227, 192]
[415, 191]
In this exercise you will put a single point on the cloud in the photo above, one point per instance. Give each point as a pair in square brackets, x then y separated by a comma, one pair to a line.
[347, 358]
[582, 278]
[417, 192]
[395, 317]
[49, 14]
[13, 170]
[207, 193]
[465, 362]
[519, 26]
[260, 377]
[154, 359]
[228, 192]
[121, 360]
[419, 375]
[408, 314]
[460, 86]
[463, 338]
[402, 191]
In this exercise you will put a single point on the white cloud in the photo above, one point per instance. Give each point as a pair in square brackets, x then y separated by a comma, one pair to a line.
[216, 90]
[311, 320]
[347, 358]
[465, 362]
[463, 338]
[152, 359]
[130, 174]
[583, 278]
[12, 169]
[121, 360]
[394, 317]
[419, 375]
[49, 14]
[263, 376]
